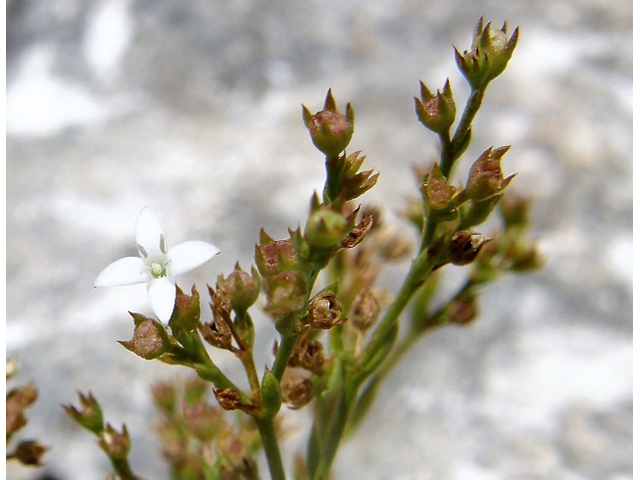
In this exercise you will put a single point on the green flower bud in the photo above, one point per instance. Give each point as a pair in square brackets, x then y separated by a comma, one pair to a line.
[186, 314]
[485, 176]
[436, 112]
[242, 288]
[330, 130]
[89, 415]
[271, 394]
[326, 229]
[490, 52]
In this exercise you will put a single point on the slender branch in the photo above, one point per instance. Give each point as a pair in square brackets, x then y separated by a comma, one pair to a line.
[271, 449]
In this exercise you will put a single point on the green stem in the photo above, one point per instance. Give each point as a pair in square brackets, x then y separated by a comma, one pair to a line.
[271, 449]
[122, 468]
[333, 184]
[452, 150]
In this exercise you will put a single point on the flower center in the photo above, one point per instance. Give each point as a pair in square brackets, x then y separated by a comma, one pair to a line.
[157, 270]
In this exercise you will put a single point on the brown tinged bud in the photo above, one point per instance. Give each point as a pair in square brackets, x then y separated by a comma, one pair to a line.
[275, 256]
[150, 338]
[364, 310]
[330, 130]
[464, 247]
[306, 354]
[116, 445]
[436, 112]
[89, 415]
[485, 176]
[297, 392]
[324, 311]
[242, 288]
[29, 452]
[437, 191]
[17, 401]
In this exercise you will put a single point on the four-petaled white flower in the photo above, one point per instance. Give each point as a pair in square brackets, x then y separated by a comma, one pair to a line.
[156, 266]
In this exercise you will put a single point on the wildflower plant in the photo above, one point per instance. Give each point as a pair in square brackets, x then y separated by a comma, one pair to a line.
[337, 331]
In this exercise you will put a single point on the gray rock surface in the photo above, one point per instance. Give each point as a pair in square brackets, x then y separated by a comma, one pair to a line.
[193, 108]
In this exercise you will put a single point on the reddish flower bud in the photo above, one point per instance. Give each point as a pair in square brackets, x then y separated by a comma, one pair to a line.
[330, 130]
[485, 176]
[150, 338]
[242, 288]
[275, 256]
[437, 191]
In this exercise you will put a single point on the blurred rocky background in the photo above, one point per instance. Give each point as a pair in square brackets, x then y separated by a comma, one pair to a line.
[193, 108]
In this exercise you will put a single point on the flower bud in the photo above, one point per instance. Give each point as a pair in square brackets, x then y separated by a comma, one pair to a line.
[29, 452]
[242, 288]
[490, 52]
[89, 415]
[116, 445]
[286, 292]
[437, 191]
[306, 354]
[17, 401]
[186, 314]
[364, 310]
[326, 229]
[297, 392]
[330, 130]
[464, 247]
[275, 256]
[485, 176]
[271, 394]
[436, 112]
[324, 311]
[355, 183]
[150, 338]
[202, 420]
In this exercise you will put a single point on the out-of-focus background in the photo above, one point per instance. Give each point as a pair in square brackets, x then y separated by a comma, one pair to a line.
[193, 108]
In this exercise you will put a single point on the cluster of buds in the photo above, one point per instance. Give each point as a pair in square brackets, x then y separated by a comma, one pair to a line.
[330, 130]
[491, 50]
[196, 436]
[436, 112]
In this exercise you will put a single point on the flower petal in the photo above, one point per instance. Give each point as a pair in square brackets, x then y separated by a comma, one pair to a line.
[149, 233]
[125, 271]
[162, 296]
[189, 255]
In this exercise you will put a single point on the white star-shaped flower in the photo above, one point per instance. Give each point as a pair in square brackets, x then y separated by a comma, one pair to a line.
[156, 266]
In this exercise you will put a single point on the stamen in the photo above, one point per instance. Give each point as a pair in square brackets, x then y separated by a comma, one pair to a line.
[142, 250]
[163, 244]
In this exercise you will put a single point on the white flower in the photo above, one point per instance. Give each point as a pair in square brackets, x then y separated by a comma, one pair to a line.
[156, 266]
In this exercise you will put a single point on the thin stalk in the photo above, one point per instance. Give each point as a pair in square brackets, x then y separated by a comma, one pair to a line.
[271, 448]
